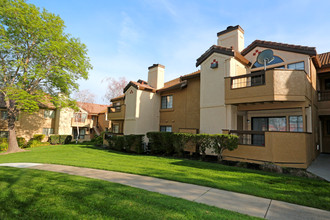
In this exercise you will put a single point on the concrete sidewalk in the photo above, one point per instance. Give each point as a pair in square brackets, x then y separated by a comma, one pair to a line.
[242, 203]
[321, 166]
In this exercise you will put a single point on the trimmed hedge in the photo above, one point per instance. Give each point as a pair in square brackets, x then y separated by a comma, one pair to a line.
[167, 143]
[4, 143]
[60, 139]
[39, 137]
[128, 143]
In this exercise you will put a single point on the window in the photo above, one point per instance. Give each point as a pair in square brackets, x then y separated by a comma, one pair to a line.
[4, 115]
[327, 84]
[296, 123]
[115, 128]
[4, 134]
[167, 102]
[275, 61]
[297, 66]
[117, 106]
[79, 117]
[49, 114]
[166, 128]
[47, 131]
[269, 124]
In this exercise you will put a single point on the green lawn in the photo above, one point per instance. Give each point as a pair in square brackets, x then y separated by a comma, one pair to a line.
[34, 194]
[287, 188]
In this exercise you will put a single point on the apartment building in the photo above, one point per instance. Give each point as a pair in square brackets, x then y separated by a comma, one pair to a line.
[91, 119]
[280, 110]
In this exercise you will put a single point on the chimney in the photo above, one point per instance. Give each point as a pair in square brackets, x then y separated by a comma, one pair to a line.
[232, 37]
[156, 76]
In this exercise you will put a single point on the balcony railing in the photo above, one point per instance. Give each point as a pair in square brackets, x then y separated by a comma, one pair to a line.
[248, 80]
[255, 138]
[323, 95]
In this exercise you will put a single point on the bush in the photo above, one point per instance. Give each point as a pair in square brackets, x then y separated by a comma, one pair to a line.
[60, 139]
[161, 143]
[39, 137]
[3, 140]
[35, 143]
[98, 139]
[21, 142]
[3, 146]
[203, 141]
[179, 142]
[128, 143]
[221, 142]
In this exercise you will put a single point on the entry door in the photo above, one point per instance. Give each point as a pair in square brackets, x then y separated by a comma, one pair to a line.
[326, 136]
[259, 124]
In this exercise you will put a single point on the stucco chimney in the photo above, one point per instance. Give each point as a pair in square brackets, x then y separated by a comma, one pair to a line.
[232, 37]
[156, 76]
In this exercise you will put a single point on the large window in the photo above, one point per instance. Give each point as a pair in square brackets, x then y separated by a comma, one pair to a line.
[297, 66]
[115, 128]
[167, 102]
[49, 114]
[296, 123]
[79, 117]
[48, 131]
[166, 128]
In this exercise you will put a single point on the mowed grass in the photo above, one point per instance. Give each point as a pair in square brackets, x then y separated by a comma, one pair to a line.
[35, 194]
[303, 191]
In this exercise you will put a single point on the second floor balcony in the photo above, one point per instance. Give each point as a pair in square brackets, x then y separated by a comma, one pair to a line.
[116, 113]
[78, 122]
[270, 85]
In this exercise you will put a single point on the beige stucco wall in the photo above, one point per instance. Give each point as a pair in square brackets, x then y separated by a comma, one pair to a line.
[233, 39]
[63, 121]
[142, 111]
[214, 114]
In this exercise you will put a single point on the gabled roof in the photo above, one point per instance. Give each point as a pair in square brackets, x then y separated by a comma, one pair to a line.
[91, 108]
[324, 59]
[139, 86]
[180, 82]
[280, 46]
[118, 98]
[222, 50]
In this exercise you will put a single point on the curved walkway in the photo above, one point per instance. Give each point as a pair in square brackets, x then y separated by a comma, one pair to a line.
[242, 203]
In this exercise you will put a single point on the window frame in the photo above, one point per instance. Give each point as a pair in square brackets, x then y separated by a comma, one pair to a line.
[49, 113]
[47, 131]
[167, 102]
[287, 65]
[302, 122]
[166, 128]
[6, 134]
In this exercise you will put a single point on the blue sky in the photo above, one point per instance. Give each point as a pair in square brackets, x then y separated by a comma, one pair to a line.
[124, 37]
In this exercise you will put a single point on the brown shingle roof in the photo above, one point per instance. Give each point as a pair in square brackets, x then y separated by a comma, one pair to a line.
[222, 50]
[118, 98]
[280, 46]
[325, 59]
[139, 86]
[92, 108]
[180, 82]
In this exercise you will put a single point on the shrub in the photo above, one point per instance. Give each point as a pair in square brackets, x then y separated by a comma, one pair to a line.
[161, 143]
[21, 142]
[134, 143]
[98, 140]
[3, 146]
[3, 140]
[179, 142]
[54, 139]
[39, 137]
[223, 141]
[203, 141]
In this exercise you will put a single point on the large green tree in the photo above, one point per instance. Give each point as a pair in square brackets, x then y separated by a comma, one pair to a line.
[38, 61]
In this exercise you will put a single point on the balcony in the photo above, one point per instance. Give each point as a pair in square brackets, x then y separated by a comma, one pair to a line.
[87, 123]
[293, 149]
[272, 85]
[116, 113]
[323, 102]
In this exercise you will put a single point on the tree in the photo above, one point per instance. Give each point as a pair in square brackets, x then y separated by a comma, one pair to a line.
[84, 96]
[115, 87]
[37, 61]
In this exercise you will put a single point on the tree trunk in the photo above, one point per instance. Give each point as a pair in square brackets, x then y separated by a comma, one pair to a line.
[12, 114]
